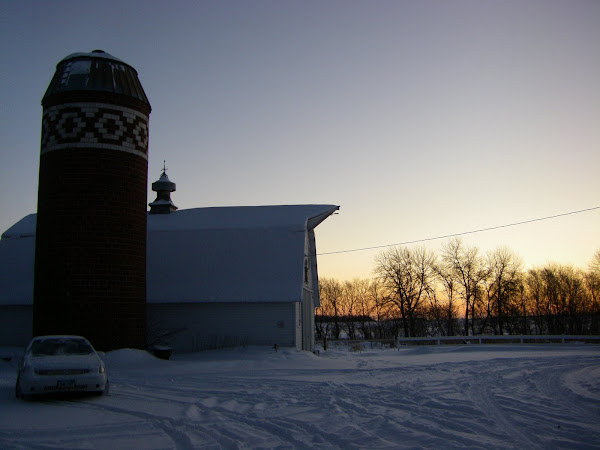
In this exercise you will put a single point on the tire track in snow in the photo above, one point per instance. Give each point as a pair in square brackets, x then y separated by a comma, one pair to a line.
[554, 386]
[232, 408]
[81, 436]
[482, 394]
[170, 427]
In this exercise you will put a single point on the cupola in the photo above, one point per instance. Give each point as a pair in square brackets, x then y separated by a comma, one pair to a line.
[163, 188]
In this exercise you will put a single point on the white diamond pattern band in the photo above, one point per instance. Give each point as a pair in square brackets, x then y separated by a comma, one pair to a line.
[95, 125]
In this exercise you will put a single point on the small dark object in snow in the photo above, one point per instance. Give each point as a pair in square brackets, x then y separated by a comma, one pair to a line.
[275, 347]
[161, 351]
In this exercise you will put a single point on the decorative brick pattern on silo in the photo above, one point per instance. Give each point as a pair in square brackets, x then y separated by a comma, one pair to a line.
[90, 257]
[95, 124]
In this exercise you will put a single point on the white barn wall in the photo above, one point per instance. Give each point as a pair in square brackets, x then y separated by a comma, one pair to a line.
[202, 326]
[206, 324]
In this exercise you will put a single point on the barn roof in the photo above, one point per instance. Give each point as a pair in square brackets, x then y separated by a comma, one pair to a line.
[225, 254]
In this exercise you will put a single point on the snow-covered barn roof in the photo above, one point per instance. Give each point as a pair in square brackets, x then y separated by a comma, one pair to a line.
[288, 217]
[225, 254]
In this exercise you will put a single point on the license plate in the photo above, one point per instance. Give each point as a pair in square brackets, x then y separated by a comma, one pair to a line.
[64, 384]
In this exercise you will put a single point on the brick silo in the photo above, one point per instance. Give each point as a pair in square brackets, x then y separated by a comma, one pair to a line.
[90, 254]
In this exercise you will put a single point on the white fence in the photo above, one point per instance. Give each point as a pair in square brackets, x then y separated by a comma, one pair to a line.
[520, 339]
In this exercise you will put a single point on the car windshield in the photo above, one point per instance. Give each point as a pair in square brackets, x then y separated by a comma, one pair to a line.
[53, 347]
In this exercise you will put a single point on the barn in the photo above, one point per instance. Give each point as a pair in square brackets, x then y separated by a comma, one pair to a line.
[216, 277]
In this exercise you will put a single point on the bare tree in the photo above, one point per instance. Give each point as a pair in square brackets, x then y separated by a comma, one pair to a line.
[592, 281]
[327, 315]
[407, 275]
[574, 298]
[465, 266]
[504, 275]
[552, 299]
[536, 299]
[595, 263]
[435, 314]
[565, 299]
[348, 306]
[381, 309]
[445, 278]
[359, 291]
[522, 325]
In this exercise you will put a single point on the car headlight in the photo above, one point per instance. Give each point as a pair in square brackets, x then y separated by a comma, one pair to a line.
[101, 369]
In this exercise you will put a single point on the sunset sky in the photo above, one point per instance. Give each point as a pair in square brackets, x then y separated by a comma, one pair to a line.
[420, 119]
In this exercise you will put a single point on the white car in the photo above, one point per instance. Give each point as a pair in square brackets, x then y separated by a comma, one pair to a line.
[54, 364]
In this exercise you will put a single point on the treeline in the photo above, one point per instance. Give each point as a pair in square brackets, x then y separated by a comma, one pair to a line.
[460, 291]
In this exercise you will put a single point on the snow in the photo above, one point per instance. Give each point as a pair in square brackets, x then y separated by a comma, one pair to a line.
[161, 202]
[288, 217]
[97, 54]
[475, 396]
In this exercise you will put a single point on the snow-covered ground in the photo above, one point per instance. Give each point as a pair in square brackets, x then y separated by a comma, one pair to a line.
[476, 396]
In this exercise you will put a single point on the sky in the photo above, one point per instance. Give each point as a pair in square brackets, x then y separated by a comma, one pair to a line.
[420, 119]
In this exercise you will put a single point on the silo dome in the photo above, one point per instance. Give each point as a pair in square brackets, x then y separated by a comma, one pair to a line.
[96, 71]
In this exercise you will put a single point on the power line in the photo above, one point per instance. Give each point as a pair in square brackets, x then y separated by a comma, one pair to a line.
[462, 233]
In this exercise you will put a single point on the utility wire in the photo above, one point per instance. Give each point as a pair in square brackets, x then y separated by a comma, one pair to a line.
[462, 233]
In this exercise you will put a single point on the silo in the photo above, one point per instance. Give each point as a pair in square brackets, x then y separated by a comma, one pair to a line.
[90, 255]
